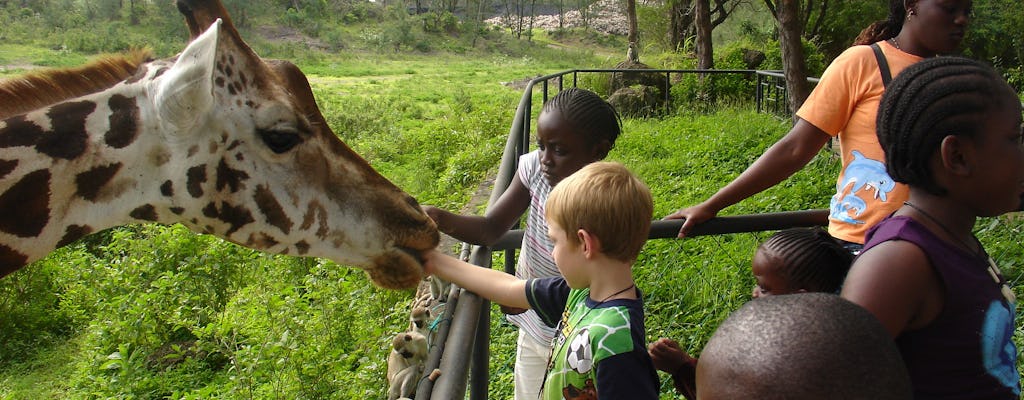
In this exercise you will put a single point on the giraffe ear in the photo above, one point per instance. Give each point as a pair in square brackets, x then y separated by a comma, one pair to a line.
[185, 93]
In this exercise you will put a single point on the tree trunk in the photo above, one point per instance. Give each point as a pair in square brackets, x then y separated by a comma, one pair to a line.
[793, 64]
[702, 20]
[561, 14]
[533, 16]
[133, 16]
[632, 36]
[680, 24]
[705, 50]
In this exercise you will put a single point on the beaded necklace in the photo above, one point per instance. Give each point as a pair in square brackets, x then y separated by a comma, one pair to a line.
[895, 43]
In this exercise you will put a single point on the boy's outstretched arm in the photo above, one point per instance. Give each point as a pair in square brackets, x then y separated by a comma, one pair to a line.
[490, 284]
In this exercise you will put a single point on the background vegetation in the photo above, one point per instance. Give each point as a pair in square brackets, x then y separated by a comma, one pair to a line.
[159, 312]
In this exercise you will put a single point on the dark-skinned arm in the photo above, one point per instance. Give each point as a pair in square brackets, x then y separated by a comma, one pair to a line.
[783, 159]
[487, 229]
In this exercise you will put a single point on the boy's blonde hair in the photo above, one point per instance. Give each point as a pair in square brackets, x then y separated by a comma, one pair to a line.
[609, 202]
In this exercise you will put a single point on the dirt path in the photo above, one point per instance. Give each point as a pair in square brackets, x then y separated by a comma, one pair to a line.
[480, 197]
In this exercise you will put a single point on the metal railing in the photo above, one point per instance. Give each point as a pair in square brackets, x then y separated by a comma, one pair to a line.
[771, 94]
[463, 349]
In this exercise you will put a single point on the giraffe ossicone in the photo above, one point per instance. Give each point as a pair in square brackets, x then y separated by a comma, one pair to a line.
[216, 139]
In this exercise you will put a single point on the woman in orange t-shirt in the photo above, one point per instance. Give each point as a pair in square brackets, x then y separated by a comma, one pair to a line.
[844, 105]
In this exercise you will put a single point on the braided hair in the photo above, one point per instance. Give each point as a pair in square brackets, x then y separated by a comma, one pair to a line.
[887, 28]
[588, 113]
[812, 260]
[928, 101]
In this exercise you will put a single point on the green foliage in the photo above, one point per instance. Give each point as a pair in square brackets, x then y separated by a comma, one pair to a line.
[997, 36]
[32, 313]
[844, 21]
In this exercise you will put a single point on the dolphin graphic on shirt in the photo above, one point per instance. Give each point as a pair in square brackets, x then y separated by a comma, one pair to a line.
[841, 208]
[861, 174]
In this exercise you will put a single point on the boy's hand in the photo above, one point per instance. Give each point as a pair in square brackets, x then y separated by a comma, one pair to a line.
[431, 260]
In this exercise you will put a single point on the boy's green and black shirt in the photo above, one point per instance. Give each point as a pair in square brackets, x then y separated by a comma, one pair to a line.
[599, 348]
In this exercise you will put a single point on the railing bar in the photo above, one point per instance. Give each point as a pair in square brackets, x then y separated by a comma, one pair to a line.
[663, 229]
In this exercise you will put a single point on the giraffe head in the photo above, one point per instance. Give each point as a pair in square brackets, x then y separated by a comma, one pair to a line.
[276, 177]
[220, 141]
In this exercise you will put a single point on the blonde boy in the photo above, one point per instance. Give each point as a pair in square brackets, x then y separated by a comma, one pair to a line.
[599, 348]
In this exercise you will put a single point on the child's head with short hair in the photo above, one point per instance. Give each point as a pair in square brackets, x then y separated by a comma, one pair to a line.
[801, 346]
[609, 202]
[943, 110]
[799, 260]
[575, 128]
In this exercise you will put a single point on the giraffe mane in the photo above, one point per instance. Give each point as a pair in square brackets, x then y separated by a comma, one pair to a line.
[42, 88]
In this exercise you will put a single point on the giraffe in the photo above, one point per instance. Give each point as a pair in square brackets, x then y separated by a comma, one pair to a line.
[216, 139]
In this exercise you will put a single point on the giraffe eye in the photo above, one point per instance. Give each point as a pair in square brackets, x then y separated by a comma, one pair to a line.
[279, 141]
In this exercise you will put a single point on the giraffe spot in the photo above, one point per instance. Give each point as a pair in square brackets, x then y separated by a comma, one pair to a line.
[302, 247]
[242, 79]
[228, 71]
[213, 147]
[261, 241]
[219, 81]
[124, 116]
[239, 156]
[177, 210]
[309, 217]
[227, 176]
[231, 89]
[167, 189]
[31, 198]
[11, 260]
[89, 183]
[6, 166]
[196, 179]
[192, 150]
[68, 137]
[145, 213]
[19, 132]
[73, 233]
[270, 208]
[235, 216]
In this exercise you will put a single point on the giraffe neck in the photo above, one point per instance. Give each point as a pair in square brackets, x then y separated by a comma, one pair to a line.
[79, 167]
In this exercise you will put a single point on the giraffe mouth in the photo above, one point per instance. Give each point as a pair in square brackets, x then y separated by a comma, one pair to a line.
[414, 253]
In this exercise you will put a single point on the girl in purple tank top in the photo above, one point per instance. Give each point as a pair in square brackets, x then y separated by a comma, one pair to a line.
[951, 130]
